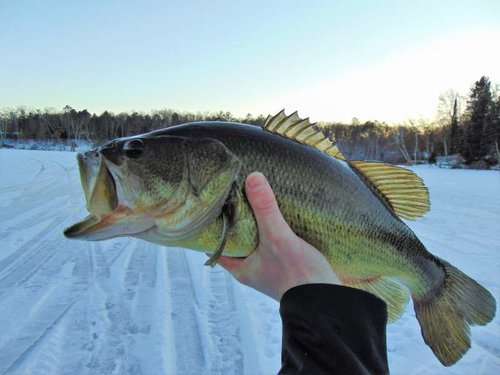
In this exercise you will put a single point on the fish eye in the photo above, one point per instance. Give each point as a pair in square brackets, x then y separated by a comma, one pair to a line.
[134, 148]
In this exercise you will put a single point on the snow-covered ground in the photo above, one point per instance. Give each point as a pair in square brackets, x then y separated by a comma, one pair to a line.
[46, 145]
[127, 306]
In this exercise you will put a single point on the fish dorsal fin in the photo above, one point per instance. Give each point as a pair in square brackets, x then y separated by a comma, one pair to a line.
[401, 189]
[302, 131]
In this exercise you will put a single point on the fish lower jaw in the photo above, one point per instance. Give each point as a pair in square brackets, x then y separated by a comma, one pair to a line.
[161, 237]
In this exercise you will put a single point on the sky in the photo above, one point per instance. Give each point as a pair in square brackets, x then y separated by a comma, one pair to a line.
[330, 60]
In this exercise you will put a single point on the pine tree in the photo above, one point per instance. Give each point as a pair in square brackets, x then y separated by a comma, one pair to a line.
[456, 134]
[495, 116]
[479, 120]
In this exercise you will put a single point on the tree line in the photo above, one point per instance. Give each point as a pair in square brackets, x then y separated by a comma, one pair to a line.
[71, 124]
[474, 132]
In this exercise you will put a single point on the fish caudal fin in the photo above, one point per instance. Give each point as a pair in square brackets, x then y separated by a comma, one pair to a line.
[395, 295]
[446, 318]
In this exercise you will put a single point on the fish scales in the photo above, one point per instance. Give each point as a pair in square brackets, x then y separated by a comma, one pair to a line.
[317, 194]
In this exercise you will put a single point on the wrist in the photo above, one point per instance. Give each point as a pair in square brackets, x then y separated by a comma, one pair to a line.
[321, 278]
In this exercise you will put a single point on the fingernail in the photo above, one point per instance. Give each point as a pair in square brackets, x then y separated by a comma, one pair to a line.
[257, 179]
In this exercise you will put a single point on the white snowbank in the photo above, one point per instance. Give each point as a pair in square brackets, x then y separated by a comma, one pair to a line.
[127, 306]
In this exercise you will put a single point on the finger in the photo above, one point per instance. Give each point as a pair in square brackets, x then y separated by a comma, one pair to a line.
[231, 264]
[264, 205]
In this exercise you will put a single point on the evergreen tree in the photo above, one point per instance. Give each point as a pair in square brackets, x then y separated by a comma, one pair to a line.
[455, 134]
[479, 120]
[495, 116]
[176, 120]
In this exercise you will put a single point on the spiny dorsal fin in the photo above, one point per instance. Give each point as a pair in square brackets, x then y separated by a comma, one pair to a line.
[403, 191]
[302, 131]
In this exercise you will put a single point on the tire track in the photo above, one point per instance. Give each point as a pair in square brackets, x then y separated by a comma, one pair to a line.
[116, 337]
[21, 188]
[125, 294]
[31, 343]
[39, 193]
[225, 327]
[79, 342]
[45, 248]
[28, 245]
[190, 355]
[156, 340]
[47, 210]
[43, 297]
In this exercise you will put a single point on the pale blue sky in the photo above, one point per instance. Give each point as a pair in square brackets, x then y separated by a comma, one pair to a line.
[332, 60]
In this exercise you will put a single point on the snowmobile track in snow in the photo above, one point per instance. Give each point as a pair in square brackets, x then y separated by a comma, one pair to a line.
[125, 306]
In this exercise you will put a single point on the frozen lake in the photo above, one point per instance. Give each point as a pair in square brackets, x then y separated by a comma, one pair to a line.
[127, 306]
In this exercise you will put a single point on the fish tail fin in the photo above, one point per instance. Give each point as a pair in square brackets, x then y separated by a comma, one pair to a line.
[445, 318]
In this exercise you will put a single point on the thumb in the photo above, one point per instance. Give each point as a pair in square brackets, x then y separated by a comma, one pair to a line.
[265, 208]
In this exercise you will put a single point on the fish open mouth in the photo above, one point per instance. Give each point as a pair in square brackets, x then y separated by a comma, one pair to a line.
[97, 182]
[99, 188]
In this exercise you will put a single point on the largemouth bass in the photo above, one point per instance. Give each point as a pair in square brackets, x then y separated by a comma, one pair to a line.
[184, 186]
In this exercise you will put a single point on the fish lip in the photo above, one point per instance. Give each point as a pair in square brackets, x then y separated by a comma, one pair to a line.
[80, 229]
[98, 184]
[119, 222]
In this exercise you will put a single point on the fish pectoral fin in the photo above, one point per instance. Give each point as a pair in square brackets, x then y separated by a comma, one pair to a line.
[399, 188]
[212, 261]
[395, 295]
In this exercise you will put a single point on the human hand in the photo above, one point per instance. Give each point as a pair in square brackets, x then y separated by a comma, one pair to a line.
[282, 260]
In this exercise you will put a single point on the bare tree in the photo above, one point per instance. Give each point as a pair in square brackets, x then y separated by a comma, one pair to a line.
[416, 151]
[399, 138]
[446, 106]
[3, 126]
[50, 127]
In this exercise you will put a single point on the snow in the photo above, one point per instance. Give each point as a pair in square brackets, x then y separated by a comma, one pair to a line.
[46, 145]
[127, 306]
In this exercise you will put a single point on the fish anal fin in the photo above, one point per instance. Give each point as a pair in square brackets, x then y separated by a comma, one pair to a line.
[395, 295]
[401, 189]
[301, 131]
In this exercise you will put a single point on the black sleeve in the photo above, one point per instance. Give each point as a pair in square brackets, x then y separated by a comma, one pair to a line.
[332, 329]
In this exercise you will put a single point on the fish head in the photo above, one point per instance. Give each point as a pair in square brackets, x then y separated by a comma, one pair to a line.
[165, 185]
[149, 174]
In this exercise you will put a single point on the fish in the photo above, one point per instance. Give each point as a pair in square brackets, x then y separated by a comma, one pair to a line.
[183, 186]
